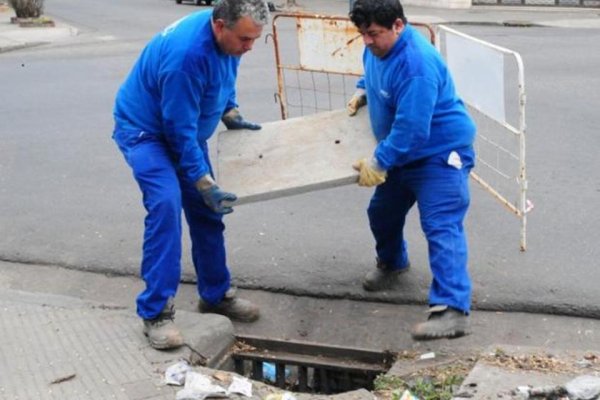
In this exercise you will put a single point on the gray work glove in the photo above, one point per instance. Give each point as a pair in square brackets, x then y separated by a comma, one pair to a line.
[234, 120]
[215, 198]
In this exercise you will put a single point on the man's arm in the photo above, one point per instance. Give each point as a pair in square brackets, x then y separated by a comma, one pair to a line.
[181, 96]
[412, 122]
[232, 117]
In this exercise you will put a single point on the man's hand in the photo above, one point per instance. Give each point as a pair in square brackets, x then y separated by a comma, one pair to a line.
[234, 120]
[370, 173]
[359, 99]
[216, 199]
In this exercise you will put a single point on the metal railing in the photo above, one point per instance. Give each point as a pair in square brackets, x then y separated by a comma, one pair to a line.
[317, 68]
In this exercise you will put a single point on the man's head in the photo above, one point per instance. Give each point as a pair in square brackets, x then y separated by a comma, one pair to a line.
[380, 23]
[238, 23]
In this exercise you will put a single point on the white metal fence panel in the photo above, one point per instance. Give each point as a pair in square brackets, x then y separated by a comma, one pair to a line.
[491, 81]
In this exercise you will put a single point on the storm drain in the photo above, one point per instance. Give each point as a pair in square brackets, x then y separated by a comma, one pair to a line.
[308, 367]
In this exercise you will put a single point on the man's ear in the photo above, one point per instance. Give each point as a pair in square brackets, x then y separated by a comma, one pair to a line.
[219, 24]
[398, 26]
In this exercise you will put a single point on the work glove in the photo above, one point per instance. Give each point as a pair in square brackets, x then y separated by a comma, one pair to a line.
[369, 172]
[359, 99]
[215, 198]
[234, 120]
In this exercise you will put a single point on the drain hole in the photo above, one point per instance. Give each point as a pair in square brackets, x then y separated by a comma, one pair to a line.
[308, 367]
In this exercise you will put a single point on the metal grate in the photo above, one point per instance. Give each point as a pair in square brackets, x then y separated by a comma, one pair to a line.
[545, 3]
[310, 367]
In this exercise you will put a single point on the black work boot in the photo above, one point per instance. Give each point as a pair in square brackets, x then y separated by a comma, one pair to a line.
[232, 307]
[161, 331]
[382, 277]
[443, 322]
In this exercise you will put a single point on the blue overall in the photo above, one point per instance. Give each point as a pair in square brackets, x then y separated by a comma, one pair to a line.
[442, 195]
[425, 138]
[165, 111]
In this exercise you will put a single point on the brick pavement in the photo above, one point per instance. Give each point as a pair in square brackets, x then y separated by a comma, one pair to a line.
[56, 347]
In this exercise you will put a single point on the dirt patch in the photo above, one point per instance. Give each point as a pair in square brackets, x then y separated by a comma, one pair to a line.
[544, 362]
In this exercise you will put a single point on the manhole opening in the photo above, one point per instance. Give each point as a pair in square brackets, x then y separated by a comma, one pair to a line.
[308, 367]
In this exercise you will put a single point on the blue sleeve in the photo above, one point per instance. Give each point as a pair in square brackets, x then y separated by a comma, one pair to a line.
[415, 105]
[231, 102]
[361, 83]
[180, 98]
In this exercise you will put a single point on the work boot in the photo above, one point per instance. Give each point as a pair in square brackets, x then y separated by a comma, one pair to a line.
[382, 277]
[232, 307]
[161, 331]
[443, 322]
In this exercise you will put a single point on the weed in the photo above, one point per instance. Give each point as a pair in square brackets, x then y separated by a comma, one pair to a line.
[389, 382]
[438, 386]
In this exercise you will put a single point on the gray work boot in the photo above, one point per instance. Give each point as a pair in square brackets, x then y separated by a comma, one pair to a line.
[161, 331]
[382, 277]
[443, 322]
[232, 307]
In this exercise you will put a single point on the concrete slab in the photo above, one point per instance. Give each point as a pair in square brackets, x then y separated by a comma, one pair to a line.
[293, 156]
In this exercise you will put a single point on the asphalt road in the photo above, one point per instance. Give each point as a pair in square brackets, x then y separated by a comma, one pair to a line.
[67, 197]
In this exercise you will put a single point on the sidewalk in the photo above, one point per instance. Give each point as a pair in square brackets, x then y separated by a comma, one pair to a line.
[62, 348]
[14, 37]
[58, 346]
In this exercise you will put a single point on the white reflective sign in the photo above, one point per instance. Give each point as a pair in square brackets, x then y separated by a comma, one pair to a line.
[478, 73]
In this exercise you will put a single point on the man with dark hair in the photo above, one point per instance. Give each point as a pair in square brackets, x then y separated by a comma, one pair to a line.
[424, 155]
[165, 111]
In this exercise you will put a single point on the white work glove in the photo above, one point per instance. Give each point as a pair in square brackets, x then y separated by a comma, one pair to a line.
[359, 99]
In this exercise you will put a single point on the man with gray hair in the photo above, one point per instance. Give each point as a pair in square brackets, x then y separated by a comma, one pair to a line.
[182, 84]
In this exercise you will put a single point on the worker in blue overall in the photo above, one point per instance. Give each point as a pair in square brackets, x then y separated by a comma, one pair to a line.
[179, 89]
[424, 155]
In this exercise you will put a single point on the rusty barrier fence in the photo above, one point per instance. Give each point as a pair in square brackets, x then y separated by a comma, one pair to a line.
[541, 3]
[319, 60]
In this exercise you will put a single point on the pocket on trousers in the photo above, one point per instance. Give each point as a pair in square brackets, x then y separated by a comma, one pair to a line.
[127, 139]
[460, 159]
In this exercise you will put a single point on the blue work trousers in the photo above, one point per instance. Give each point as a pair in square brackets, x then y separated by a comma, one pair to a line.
[441, 192]
[165, 193]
